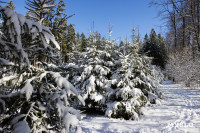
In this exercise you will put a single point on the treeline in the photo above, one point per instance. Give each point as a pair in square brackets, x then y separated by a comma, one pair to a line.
[153, 45]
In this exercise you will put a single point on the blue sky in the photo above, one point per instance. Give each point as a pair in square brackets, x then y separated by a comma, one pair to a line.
[121, 13]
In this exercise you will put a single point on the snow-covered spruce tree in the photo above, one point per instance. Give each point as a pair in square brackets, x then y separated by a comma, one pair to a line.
[40, 10]
[74, 59]
[32, 99]
[94, 80]
[48, 14]
[133, 87]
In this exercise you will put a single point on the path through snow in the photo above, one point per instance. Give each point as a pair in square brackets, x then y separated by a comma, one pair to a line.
[179, 113]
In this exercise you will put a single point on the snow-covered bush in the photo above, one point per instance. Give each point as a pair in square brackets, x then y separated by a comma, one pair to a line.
[183, 66]
[158, 73]
[32, 99]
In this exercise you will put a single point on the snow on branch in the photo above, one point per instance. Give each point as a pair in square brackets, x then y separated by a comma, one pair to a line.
[5, 62]
[17, 25]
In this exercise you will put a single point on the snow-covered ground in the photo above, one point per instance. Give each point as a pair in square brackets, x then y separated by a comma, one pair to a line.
[179, 113]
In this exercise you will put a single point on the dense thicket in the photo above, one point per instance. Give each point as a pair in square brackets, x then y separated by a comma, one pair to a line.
[116, 80]
[183, 40]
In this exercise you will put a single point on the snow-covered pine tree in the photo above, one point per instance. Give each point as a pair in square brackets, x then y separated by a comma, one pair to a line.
[133, 86]
[53, 16]
[75, 58]
[32, 99]
[39, 10]
[147, 76]
[94, 79]
[125, 100]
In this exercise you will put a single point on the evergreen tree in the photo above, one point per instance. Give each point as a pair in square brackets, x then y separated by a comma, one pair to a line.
[133, 35]
[59, 26]
[91, 71]
[91, 39]
[146, 45]
[121, 44]
[94, 82]
[83, 43]
[103, 41]
[153, 37]
[11, 5]
[163, 52]
[39, 10]
[135, 85]
[78, 42]
[70, 38]
[98, 41]
[146, 39]
[125, 100]
[155, 49]
[34, 100]
[57, 20]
